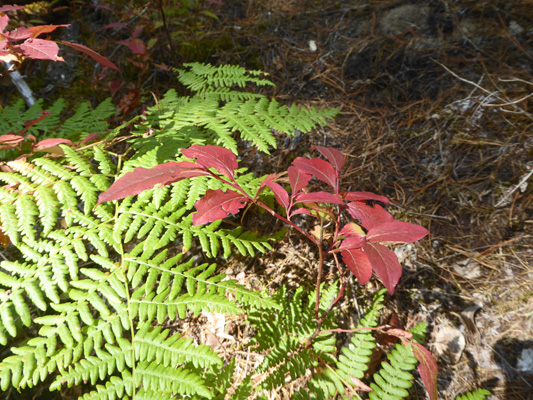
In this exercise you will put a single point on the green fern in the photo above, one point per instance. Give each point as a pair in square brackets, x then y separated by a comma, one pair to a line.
[93, 284]
[479, 394]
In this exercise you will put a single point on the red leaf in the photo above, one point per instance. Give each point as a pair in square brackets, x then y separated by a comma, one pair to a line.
[4, 20]
[318, 197]
[384, 263]
[93, 54]
[115, 25]
[359, 385]
[351, 243]
[428, 369]
[281, 194]
[216, 205]
[219, 158]
[39, 49]
[136, 46]
[28, 124]
[362, 196]
[90, 138]
[352, 229]
[400, 333]
[297, 179]
[20, 33]
[39, 30]
[320, 169]
[333, 155]
[396, 231]
[358, 263]
[142, 179]
[370, 216]
[43, 144]
[301, 211]
[11, 139]
[5, 8]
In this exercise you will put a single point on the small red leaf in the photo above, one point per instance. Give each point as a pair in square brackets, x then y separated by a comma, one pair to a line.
[142, 179]
[297, 179]
[320, 169]
[136, 46]
[4, 20]
[11, 139]
[396, 231]
[20, 33]
[384, 263]
[39, 49]
[333, 155]
[8, 7]
[39, 30]
[219, 158]
[93, 54]
[352, 229]
[43, 144]
[216, 205]
[370, 216]
[358, 263]
[428, 369]
[359, 385]
[318, 197]
[352, 242]
[362, 196]
[400, 333]
[281, 194]
[301, 211]
[115, 25]
[28, 124]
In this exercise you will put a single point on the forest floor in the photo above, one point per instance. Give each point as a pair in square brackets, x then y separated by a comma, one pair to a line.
[435, 113]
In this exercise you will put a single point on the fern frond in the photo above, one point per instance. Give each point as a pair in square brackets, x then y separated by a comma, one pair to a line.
[479, 394]
[393, 379]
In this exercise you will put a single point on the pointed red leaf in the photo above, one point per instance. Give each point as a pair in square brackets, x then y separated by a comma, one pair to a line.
[358, 263]
[333, 155]
[136, 46]
[363, 196]
[11, 139]
[352, 229]
[351, 243]
[142, 179]
[297, 179]
[39, 30]
[93, 54]
[4, 20]
[428, 369]
[39, 49]
[281, 194]
[20, 33]
[8, 7]
[320, 169]
[359, 385]
[396, 231]
[216, 205]
[28, 124]
[318, 197]
[301, 211]
[43, 144]
[370, 216]
[219, 158]
[115, 25]
[384, 263]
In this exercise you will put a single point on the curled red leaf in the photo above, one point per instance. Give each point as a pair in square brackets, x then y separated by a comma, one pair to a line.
[320, 169]
[216, 205]
[333, 155]
[363, 196]
[93, 54]
[318, 197]
[219, 158]
[282, 197]
[385, 264]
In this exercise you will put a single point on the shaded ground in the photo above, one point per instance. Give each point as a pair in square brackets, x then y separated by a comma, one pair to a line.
[435, 113]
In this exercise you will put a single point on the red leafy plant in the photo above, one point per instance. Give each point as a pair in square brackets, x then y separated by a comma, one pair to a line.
[361, 242]
[21, 43]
